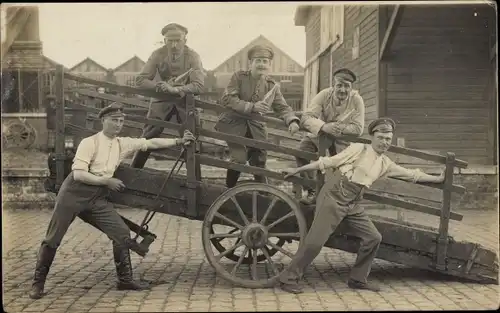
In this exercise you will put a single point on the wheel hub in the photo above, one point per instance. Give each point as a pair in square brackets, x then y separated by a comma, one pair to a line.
[254, 236]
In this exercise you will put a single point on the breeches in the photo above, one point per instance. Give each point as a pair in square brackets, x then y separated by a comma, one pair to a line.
[89, 203]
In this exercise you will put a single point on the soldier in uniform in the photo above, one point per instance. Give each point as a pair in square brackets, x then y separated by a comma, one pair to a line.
[338, 110]
[181, 72]
[84, 194]
[359, 166]
[244, 95]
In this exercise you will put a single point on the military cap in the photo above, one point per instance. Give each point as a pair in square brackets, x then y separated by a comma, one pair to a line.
[383, 125]
[260, 51]
[345, 74]
[174, 26]
[114, 109]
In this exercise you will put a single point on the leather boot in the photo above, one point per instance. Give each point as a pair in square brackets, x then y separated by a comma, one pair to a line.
[232, 177]
[45, 257]
[124, 270]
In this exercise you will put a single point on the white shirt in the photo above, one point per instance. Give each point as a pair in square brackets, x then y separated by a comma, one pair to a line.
[362, 165]
[102, 158]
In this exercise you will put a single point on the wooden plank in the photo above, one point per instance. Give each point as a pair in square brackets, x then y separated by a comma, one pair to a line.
[258, 144]
[409, 205]
[59, 140]
[192, 164]
[443, 120]
[211, 161]
[391, 31]
[435, 95]
[444, 221]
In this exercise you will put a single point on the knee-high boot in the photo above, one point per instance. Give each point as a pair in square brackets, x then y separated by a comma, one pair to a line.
[123, 265]
[232, 177]
[46, 255]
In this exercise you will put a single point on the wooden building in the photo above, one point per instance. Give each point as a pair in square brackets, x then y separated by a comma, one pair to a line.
[432, 68]
[126, 73]
[285, 70]
[91, 69]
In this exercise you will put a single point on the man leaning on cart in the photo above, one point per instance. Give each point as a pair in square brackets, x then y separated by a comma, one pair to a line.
[84, 194]
[338, 110]
[180, 70]
[358, 167]
[245, 94]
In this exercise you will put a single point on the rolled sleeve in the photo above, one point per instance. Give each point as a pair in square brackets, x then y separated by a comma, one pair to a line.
[83, 155]
[311, 119]
[130, 145]
[396, 171]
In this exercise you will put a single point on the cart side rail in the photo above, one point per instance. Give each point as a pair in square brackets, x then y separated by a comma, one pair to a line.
[194, 160]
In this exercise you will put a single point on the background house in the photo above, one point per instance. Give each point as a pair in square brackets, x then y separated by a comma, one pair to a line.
[430, 68]
[126, 73]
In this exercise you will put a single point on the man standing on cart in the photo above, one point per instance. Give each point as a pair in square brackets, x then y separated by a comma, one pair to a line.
[358, 167]
[244, 95]
[337, 111]
[84, 194]
[181, 72]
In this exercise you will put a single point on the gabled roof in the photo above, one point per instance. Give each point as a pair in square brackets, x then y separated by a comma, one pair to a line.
[253, 42]
[124, 64]
[52, 63]
[91, 61]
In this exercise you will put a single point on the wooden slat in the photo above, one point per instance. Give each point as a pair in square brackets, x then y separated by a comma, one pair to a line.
[257, 144]
[211, 161]
[409, 205]
[391, 31]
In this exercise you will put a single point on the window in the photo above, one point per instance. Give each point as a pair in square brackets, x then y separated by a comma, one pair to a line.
[332, 25]
[286, 79]
[130, 81]
[290, 67]
[355, 43]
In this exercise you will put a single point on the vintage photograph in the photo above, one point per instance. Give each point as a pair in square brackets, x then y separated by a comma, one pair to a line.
[249, 156]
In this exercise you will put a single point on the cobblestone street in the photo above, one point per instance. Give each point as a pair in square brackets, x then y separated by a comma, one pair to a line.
[82, 278]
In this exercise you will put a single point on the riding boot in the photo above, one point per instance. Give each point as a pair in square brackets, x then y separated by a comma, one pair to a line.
[45, 257]
[124, 270]
[232, 177]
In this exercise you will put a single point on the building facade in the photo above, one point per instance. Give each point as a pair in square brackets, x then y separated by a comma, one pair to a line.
[430, 68]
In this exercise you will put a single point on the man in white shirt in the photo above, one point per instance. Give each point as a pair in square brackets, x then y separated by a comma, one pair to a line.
[84, 191]
[338, 110]
[358, 166]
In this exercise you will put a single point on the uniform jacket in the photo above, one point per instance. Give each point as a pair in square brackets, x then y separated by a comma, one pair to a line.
[240, 95]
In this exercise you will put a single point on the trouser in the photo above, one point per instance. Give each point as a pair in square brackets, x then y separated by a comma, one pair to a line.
[157, 111]
[337, 200]
[308, 144]
[241, 154]
[89, 203]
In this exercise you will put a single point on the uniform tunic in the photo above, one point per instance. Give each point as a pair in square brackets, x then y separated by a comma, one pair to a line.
[168, 67]
[325, 108]
[241, 93]
[359, 166]
[99, 155]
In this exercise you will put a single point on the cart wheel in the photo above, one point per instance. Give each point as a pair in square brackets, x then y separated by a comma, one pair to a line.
[251, 233]
[216, 242]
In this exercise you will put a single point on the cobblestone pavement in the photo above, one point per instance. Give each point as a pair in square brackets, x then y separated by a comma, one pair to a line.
[82, 278]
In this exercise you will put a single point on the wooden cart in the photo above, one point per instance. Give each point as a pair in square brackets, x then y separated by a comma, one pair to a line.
[264, 220]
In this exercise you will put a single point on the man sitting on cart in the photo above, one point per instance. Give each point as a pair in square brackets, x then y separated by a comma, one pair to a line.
[338, 110]
[84, 194]
[358, 167]
[244, 95]
[180, 71]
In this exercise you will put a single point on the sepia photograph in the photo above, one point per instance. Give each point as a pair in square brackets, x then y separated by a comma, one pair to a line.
[250, 156]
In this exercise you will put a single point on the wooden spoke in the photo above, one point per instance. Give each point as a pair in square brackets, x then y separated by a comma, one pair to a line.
[242, 256]
[280, 249]
[254, 206]
[228, 235]
[230, 221]
[271, 263]
[284, 235]
[254, 265]
[281, 220]
[240, 211]
[269, 208]
[236, 246]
